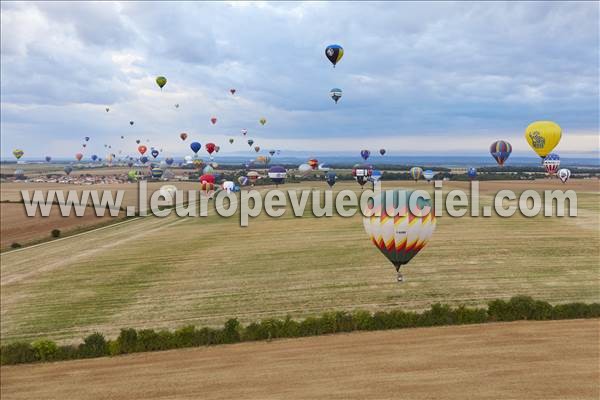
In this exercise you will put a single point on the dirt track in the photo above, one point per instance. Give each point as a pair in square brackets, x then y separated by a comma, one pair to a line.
[524, 360]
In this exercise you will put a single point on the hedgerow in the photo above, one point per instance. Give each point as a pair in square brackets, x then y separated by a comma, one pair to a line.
[134, 341]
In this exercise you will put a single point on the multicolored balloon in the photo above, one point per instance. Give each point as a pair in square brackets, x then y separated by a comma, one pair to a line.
[18, 153]
[277, 174]
[551, 163]
[500, 150]
[415, 173]
[362, 173]
[334, 53]
[157, 173]
[335, 94]
[399, 237]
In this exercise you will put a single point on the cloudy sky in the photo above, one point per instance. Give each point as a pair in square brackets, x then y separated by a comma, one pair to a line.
[417, 78]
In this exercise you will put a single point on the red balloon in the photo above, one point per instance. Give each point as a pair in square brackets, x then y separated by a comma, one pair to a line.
[213, 120]
[210, 147]
[314, 163]
[207, 178]
[78, 156]
[142, 149]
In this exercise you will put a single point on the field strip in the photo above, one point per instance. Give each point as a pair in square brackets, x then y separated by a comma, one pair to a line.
[70, 237]
[518, 360]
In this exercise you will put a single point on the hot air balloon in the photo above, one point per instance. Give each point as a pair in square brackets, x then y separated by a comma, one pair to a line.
[213, 120]
[375, 176]
[198, 163]
[244, 131]
[142, 149]
[19, 174]
[415, 173]
[243, 180]
[183, 135]
[334, 53]
[131, 123]
[232, 91]
[94, 157]
[122, 137]
[130, 164]
[208, 170]
[138, 141]
[304, 168]
[18, 153]
[157, 173]
[253, 176]
[257, 148]
[500, 150]
[399, 237]
[143, 159]
[472, 173]
[263, 160]
[78, 156]
[84, 145]
[161, 81]
[230, 140]
[177, 105]
[362, 173]
[210, 148]
[262, 121]
[543, 136]
[382, 152]
[551, 163]
[48, 158]
[365, 154]
[250, 142]
[564, 175]
[330, 178]
[107, 109]
[313, 163]
[272, 152]
[335, 94]
[87, 138]
[195, 146]
[228, 186]
[277, 174]
[323, 167]
[428, 175]
[169, 161]
[132, 175]
[154, 153]
[68, 169]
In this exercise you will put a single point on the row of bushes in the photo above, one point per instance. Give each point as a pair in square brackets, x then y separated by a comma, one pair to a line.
[133, 341]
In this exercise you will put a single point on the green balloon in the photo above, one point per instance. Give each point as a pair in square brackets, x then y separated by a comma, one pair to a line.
[161, 81]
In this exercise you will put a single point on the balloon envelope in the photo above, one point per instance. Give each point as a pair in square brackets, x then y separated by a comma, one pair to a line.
[500, 150]
[334, 53]
[543, 136]
[195, 146]
[399, 237]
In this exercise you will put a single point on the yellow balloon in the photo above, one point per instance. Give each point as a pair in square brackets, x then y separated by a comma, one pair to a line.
[543, 136]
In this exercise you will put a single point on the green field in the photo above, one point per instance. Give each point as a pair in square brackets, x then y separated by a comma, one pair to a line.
[170, 272]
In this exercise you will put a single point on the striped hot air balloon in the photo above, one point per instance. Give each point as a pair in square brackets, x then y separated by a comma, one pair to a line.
[500, 150]
[400, 234]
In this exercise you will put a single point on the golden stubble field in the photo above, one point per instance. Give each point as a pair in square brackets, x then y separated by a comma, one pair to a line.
[520, 360]
[168, 272]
